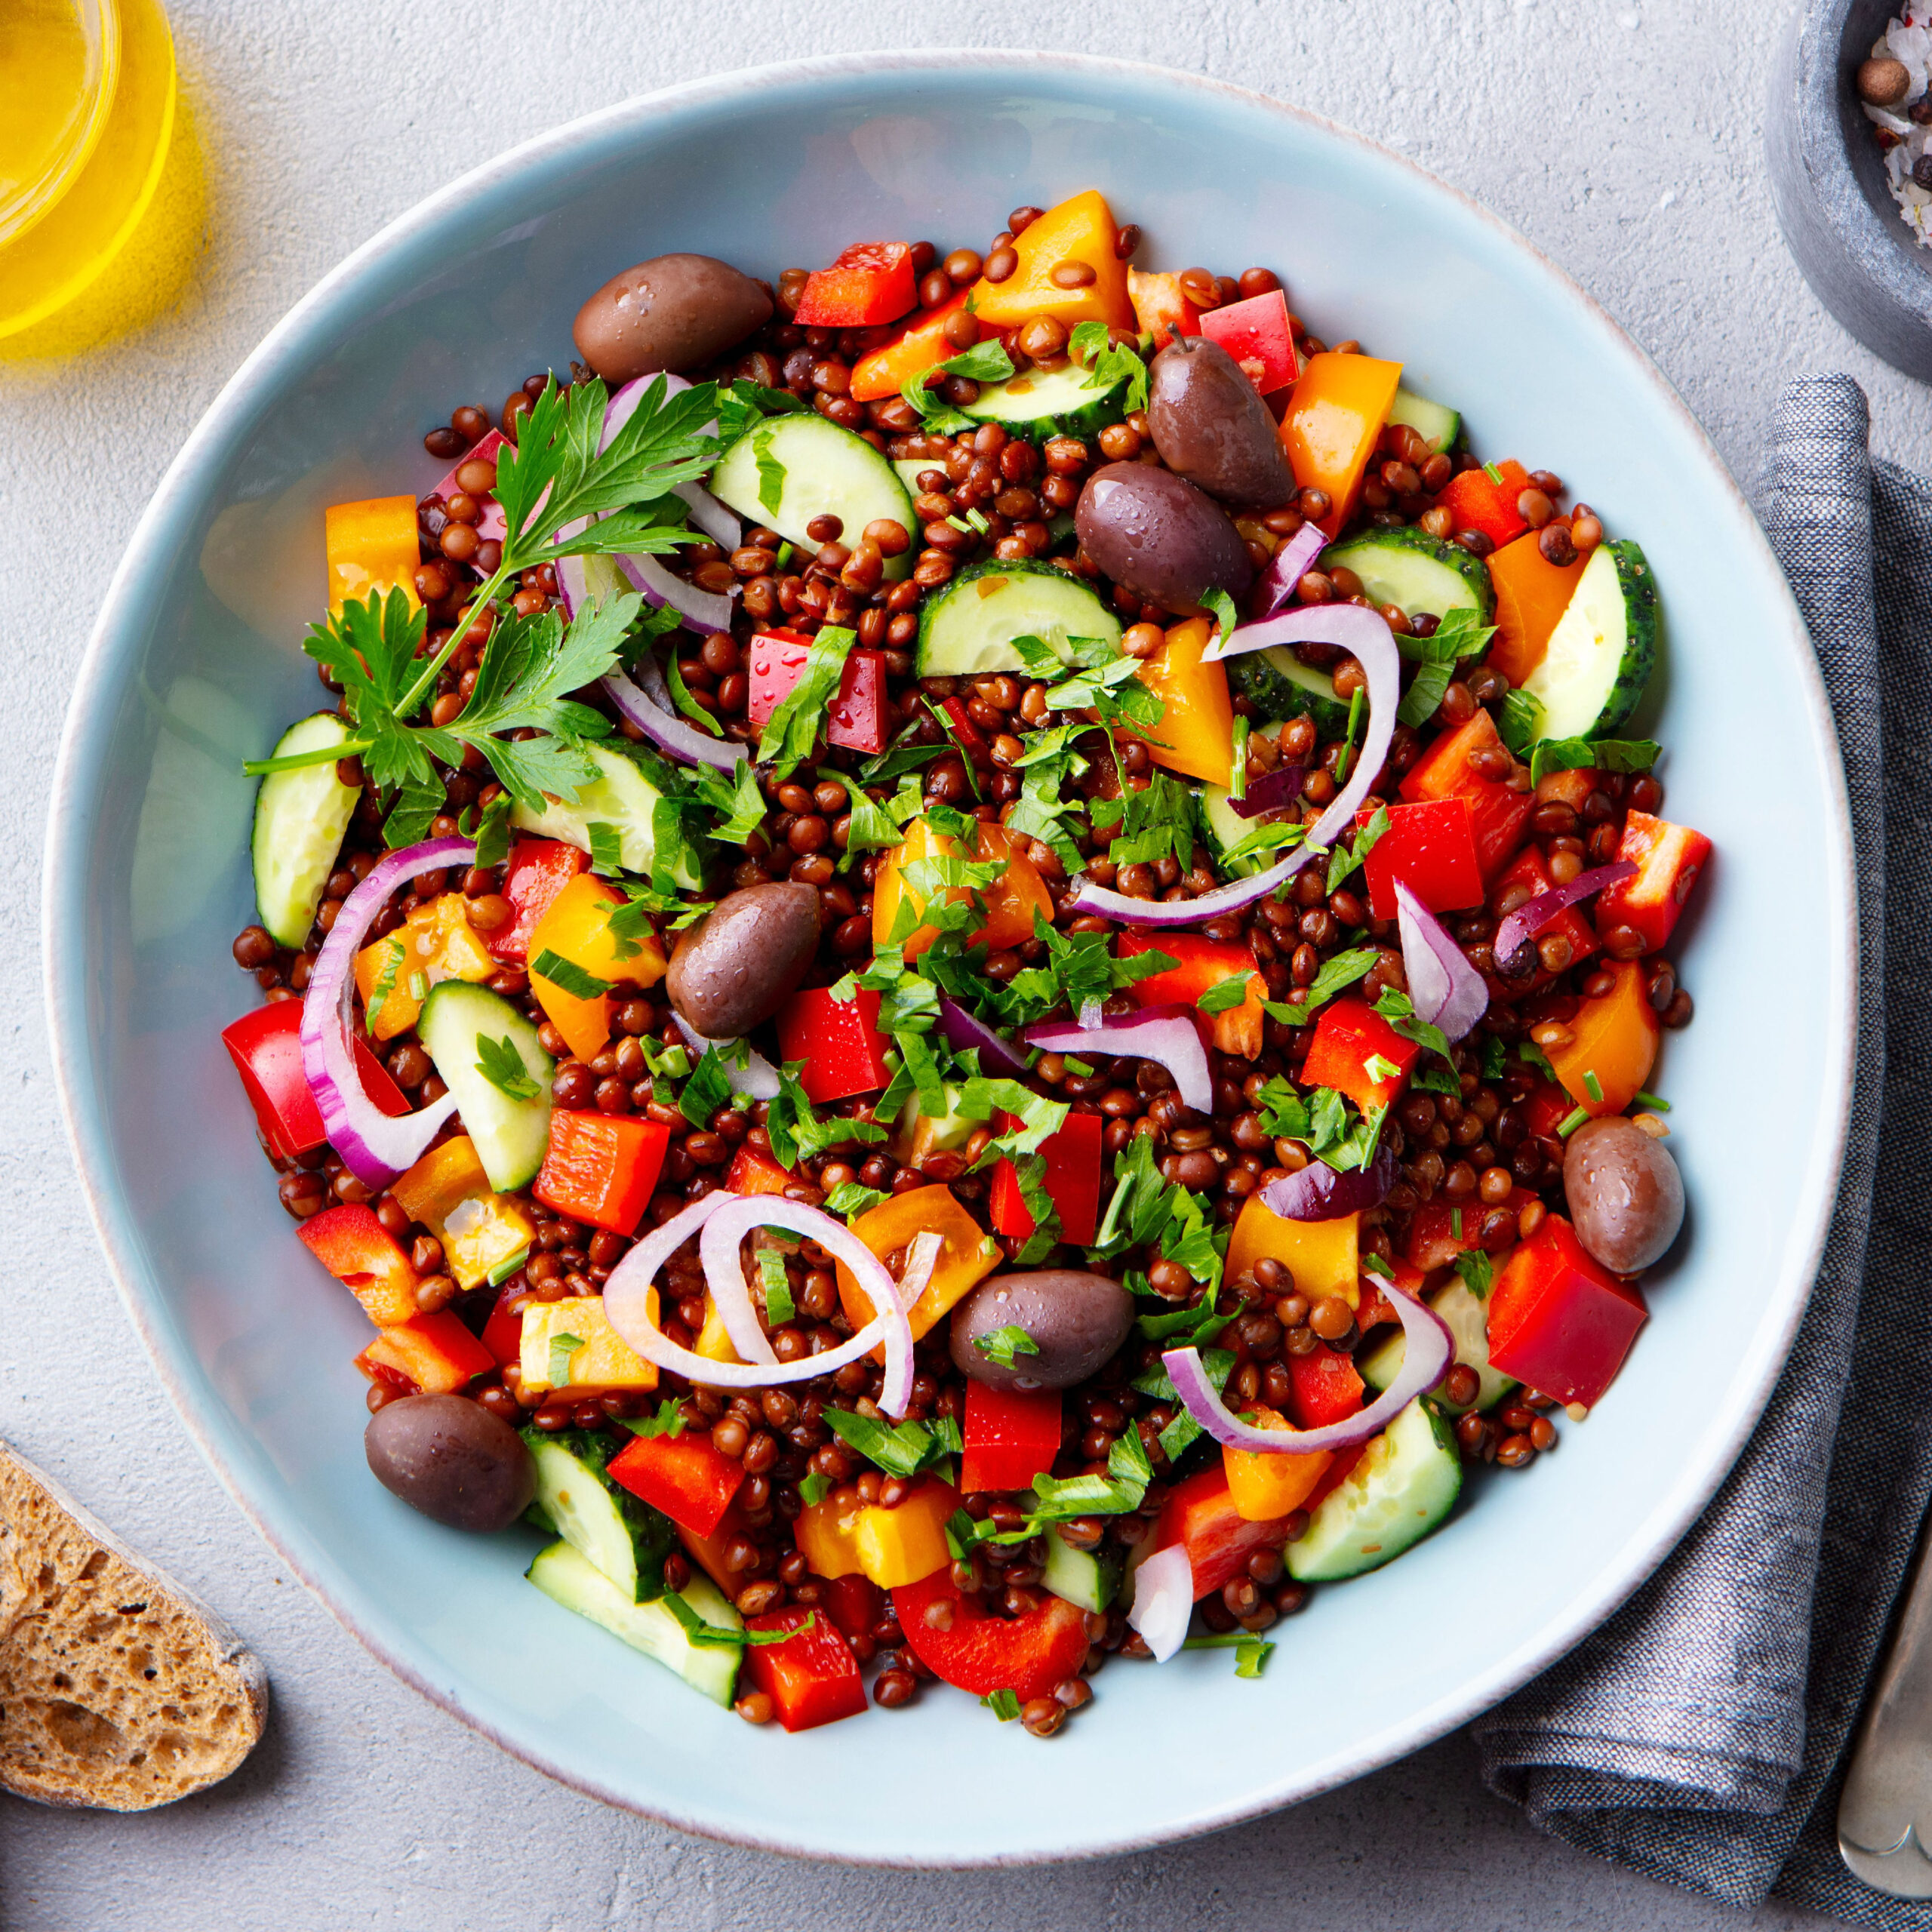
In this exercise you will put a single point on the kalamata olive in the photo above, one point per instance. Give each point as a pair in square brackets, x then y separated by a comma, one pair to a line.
[673, 312]
[1211, 425]
[451, 1459]
[1076, 1320]
[1160, 537]
[1626, 1195]
[740, 963]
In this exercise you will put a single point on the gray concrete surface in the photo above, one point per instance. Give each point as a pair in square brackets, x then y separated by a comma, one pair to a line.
[1622, 136]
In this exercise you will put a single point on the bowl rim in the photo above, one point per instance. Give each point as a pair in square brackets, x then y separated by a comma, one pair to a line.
[64, 957]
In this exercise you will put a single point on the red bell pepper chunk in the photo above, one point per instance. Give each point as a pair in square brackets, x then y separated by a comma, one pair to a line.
[1431, 847]
[1499, 817]
[1201, 1513]
[1200, 964]
[754, 1172]
[1333, 1476]
[354, 1247]
[1440, 1230]
[538, 869]
[1011, 1436]
[838, 1040]
[958, 722]
[503, 1334]
[872, 282]
[1257, 334]
[854, 1603]
[1347, 1036]
[1559, 1320]
[981, 1652]
[1668, 859]
[1072, 1182]
[811, 1680]
[1323, 1387]
[1374, 1308]
[601, 1168]
[683, 1475]
[855, 718]
[266, 1046]
[1546, 1108]
[1476, 500]
[435, 1353]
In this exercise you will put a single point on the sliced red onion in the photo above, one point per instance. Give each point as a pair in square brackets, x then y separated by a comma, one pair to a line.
[1290, 564]
[1343, 624]
[1319, 1192]
[757, 1077]
[1374, 645]
[676, 737]
[492, 524]
[1530, 918]
[1444, 988]
[627, 1306]
[965, 1033]
[1166, 1034]
[1426, 1356]
[1164, 1601]
[711, 516]
[374, 1147]
[703, 611]
[1270, 791]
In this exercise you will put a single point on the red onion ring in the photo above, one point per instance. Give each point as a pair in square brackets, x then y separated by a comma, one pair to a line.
[1343, 624]
[676, 737]
[1166, 1034]
[1269, 792]
[1444, 988]
[374, 1147]
[1365, 634]
[1530, 918]
[757, 1078]
[703, 611]
[1164, 1601]
[1425, 1360]
[1319, 1192]
[965, 1032]
[1290, 564]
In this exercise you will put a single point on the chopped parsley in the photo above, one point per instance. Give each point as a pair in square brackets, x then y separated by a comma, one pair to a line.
[779, 1307]
[1226, 994]
[670, 1420]
[1624, 755]
[902, 1451]
[562, 1348]
[499, 1063]
[566, 975]
[1004, 1344]
[792, 730]
[1477, 1272]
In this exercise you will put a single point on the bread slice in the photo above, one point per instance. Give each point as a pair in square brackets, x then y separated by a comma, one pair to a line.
[117, 1688]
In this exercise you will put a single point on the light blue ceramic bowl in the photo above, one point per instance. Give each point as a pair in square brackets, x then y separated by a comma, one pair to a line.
[195, 665]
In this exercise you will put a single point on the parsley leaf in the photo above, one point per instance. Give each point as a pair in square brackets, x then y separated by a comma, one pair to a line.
[903, 1451]
[792, 730]
[1477, 1272]
[1225, 996]
[499, 1063]
[670, 1420]
[708, 1089]
[849, 1199]
[567, 975]
[779, 1307]
[562, 1348]
[1518, 721]
[1004, 1344]
[1107, 363]
[1334, 975]
[1343, 860]
[1624, 755]
[1156, 821]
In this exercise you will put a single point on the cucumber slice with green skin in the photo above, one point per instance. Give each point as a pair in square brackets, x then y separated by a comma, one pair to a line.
[967, 631]
[299, 819]
[1406, 1482]
[1468, 1320]
[511, 1134]
[1410, 569]
[566, 1577]
[790, 469]
[619, 1535]
[1280, 685]
[1437, 427]
[1049, 402]
[1602, 650]
[1079, 1575]
[620, 796]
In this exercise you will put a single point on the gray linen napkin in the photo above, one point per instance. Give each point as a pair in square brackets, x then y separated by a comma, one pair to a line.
[1697, 1736]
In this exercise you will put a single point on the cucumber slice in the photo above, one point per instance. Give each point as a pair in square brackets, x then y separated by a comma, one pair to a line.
[1405, 1483]
[1601, 651]
[1468, 1319]
[299, 819]
[1050, 402]
[791, 469]
[1409, 568]
[909, 469]
[1437, 427]
[1280, 685]
[619, 1535]
[967, 631]
[1079, 1575]
[622, 797]
[511, 1134]
[565, 1578]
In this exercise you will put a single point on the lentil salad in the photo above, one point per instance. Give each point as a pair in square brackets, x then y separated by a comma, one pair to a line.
[902, 818]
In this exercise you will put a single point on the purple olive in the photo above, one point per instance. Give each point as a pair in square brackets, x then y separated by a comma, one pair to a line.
[451, 1459]
[1211, 425]
[743, 960]
[1159, 537]
[1075, 1321]
[1626, 1195]
[673, 312]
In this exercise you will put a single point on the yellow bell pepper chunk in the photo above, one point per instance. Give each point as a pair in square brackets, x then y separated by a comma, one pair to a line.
[436, 943]
[1264, 1488]
[842, 1537]
[714, 1341]
[1613, 1043]
[576, 927]
[449, 1193]
[966, 1257]
[1322, 1256]
[1080, 229]
[372, 546]
[1196, 733]
[600, 1359]
[1335, 414]
[1011, 900]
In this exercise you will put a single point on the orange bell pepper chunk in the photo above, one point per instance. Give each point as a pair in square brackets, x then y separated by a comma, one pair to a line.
[1531, 594]
[967, 1255]
[1613, 1041]
[577, 928]
[1011, 900]
[372, 546]
[435, 942]
[1160, 304]
[450, 1193]
[842, 1537]
[1196, 733]
[1080, 229]
[1335, 415]
[1322, 1256]
[1264, 1488]
[921, 347]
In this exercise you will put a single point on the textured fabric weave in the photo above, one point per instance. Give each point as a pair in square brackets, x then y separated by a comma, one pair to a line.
[1697, 1736]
